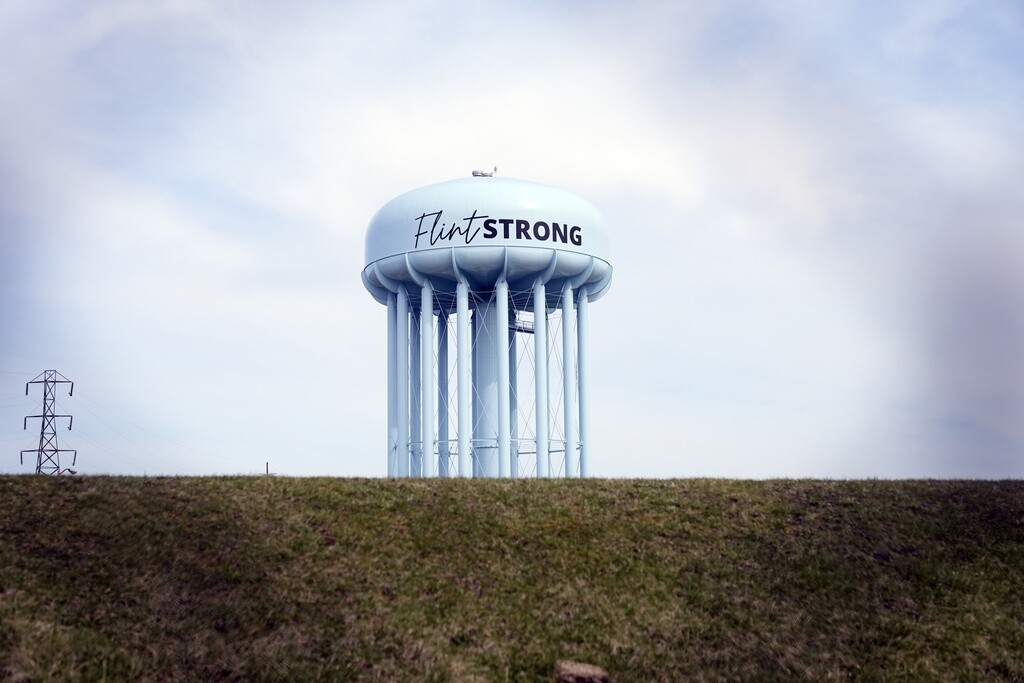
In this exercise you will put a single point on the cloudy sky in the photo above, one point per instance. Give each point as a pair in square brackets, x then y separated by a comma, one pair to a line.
[817, 217]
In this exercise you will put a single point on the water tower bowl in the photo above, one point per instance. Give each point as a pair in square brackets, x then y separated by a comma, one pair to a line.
[475, 266]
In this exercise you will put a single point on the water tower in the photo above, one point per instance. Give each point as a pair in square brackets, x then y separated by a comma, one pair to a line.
[487, 282]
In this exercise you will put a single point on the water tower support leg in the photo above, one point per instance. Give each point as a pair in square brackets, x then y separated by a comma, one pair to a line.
[513, 403]
[429, 461]
[415, 398]
[582, 323]
[443, 449]
[540, 381]
[486, 415]
[462, 348]
[569, 380]
[501, 359]
[402, 377]
[392, 383]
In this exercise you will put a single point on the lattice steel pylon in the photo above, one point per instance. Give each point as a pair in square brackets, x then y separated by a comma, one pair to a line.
[48, 452]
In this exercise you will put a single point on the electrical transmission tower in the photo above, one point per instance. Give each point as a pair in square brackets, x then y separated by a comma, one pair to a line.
[48, 453]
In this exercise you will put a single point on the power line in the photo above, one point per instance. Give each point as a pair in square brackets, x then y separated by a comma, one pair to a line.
[144, 429]
[116, 454]
[118, 433]
[148, 431]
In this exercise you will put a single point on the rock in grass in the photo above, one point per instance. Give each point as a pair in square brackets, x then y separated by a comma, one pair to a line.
[568, 671]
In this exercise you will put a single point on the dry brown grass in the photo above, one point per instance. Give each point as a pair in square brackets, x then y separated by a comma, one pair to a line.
[292, 579]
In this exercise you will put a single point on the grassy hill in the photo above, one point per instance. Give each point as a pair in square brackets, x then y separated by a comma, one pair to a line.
[297, 579]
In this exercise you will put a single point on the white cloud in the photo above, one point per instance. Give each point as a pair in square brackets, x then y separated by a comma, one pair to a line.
[202, 178]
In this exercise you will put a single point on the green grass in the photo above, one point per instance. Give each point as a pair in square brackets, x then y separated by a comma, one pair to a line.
[299, 579]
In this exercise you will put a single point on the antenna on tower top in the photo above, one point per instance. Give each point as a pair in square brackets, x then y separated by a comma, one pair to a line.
[48, 452]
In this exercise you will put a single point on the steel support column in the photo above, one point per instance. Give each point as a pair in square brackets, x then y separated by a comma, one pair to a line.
[513, 401]
[392, 383]
[540, 381]
[443, 448]
[415, 398]
[500, 335]
[569, 381]
[428, 462]
[486, 368]
[582, 324]
[463, 347]
[402, 372]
